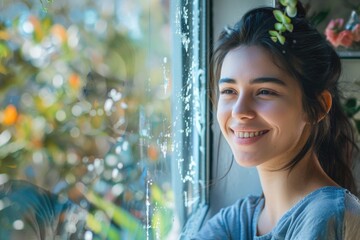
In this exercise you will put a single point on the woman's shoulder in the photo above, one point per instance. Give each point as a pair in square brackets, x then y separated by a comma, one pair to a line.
[328, 202]
[351, 224]
[334, 211]
[333, 199]
[352, 203]
[326, 213]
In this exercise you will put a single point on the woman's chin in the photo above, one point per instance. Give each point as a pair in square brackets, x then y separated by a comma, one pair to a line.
[246, 163]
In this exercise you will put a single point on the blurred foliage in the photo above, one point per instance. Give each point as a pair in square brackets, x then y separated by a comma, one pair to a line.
[352, 108]
[85, 107]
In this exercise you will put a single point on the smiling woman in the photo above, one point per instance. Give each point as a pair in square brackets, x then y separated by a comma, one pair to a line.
[278, 107]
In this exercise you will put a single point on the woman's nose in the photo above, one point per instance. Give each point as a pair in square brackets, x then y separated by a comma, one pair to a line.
[243, 108]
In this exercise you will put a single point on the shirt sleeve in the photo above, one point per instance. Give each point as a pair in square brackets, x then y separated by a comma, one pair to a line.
[215, 228]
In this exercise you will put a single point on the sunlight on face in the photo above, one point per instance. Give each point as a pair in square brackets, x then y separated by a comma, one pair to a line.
[259, 109]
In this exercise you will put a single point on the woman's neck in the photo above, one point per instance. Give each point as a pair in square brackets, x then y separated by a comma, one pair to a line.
[284, 188]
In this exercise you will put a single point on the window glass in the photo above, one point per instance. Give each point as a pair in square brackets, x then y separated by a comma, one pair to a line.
[190, 117]
[102, 118]
[86, 117]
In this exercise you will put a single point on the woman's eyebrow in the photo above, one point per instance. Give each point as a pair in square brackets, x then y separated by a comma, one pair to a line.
[268, 80]
[255, 80]
[226, 80]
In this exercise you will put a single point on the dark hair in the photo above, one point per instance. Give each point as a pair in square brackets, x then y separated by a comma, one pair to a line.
[310, 59]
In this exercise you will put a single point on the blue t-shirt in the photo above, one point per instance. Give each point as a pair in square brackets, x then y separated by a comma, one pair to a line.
[327, 213]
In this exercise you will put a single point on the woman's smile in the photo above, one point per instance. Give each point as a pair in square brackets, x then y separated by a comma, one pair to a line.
[249, 134]
[248, 137]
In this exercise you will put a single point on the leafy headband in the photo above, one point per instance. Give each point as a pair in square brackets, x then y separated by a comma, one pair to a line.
[284, 21]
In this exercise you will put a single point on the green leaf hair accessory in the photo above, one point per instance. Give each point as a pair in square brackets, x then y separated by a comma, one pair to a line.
[284, 21]
[276, 36]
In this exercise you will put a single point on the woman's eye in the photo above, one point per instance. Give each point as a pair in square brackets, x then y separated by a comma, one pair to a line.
[266, 92]
[227, 91]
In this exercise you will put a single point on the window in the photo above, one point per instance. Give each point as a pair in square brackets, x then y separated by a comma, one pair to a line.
[191, 123]
[103, 116]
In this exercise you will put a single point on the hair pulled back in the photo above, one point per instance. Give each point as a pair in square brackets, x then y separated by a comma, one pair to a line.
[310, 59]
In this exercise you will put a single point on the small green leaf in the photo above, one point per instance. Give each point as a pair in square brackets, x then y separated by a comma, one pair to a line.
[292, 3]
[273, 33]
[291, 11]
[281, 39]
[283, 2]
[280, 27]
[289, 27]
[286, 19]
[276, 36]
[279, 15]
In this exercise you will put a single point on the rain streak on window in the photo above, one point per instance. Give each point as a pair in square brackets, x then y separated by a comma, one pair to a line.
[193, 99]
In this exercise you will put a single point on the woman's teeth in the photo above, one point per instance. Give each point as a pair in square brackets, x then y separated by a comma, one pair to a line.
[248, 134]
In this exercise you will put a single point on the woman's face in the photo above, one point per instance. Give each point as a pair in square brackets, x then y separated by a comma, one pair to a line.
[260, 109]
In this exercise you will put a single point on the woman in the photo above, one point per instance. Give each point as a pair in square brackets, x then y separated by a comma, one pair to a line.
[278, 108]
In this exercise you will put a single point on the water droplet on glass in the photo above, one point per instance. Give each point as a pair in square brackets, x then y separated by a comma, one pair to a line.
[5, 137]
[18, 224]
[88, 235]
[108, 105]
[60, 115]
[74, 132]
[58, 81]
[38, 157]
[3, 178]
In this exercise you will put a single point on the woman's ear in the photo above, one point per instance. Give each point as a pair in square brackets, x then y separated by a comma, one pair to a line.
[326, 101]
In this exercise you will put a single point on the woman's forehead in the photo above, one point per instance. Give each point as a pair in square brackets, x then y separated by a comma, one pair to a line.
[253, 62]
[249, 60]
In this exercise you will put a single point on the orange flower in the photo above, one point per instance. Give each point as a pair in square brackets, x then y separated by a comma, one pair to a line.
[38, 31]
[345, 38]
[74, 81]
[356, 32]
[152, 153]
[4, 35]
[59, 32]
[10, 115]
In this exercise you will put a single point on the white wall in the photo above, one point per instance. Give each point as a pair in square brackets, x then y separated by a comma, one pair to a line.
[227, 12]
